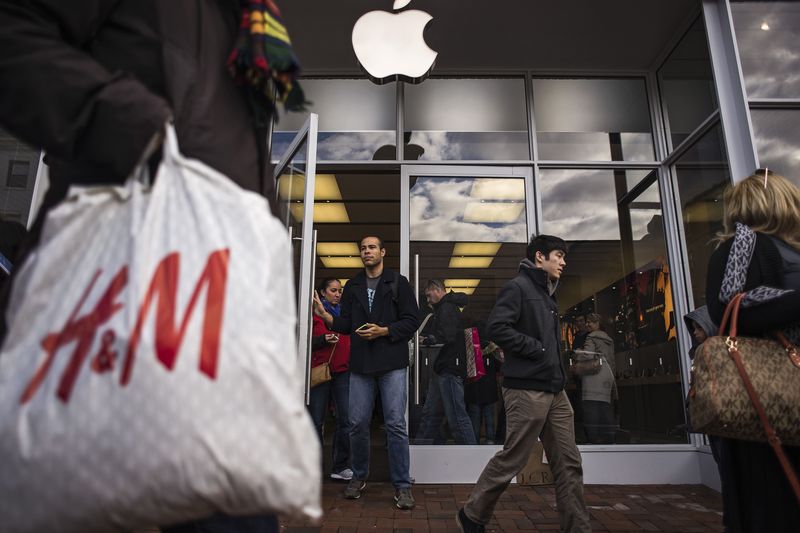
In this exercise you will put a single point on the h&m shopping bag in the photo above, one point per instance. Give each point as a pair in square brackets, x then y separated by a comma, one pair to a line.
[150, 373]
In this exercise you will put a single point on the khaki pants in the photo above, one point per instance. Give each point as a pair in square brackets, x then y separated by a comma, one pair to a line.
[530, 414]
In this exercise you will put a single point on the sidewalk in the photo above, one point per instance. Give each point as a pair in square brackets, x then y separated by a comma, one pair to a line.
[674, 508]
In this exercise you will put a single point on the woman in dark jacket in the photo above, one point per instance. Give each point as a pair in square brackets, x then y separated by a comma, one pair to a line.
[334, 349]
[760, 249]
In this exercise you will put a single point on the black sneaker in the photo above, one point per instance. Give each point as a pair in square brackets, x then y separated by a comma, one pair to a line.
[354, 489]
[403, 499]
[466, 525]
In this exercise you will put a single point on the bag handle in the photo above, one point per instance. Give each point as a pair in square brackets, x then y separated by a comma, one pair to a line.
[772, 437]
[330, 358]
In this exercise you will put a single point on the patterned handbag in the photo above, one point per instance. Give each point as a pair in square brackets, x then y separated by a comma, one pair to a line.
[747, 388]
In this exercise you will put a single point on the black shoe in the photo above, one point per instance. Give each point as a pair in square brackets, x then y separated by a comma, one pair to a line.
[354, 489]
[467, 525]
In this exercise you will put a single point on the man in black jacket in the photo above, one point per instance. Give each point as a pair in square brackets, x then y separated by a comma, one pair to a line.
[445, 396]
[380, 313]
[524, 323]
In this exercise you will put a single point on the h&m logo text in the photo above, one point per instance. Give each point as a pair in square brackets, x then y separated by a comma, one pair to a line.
[81, 330]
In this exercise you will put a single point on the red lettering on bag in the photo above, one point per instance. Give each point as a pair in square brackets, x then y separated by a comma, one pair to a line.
[164, 287]
[168, 338]
[81, 330]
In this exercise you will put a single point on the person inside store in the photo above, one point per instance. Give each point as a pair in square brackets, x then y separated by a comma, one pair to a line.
[445, 396]
[758, 253]
[598, 387]
[379, 311]
[524, 323]
[481, 395]
[93, 84]
[699, 323]
[332, 349]
[582, 330]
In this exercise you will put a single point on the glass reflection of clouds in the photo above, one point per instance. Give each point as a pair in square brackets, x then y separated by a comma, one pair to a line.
[581, 205]
[770, 57]
[777, 134]
[467, 146]
[341, 146]
[464, 209]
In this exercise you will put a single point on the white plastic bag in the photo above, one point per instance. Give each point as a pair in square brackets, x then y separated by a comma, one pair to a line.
[150, 371]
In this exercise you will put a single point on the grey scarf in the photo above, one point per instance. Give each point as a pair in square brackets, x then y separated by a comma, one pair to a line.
[744, 243]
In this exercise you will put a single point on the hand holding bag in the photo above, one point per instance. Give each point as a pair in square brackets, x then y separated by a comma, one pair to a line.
[747, 388]
[322, 372]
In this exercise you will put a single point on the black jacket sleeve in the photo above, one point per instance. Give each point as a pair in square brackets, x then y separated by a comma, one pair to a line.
[55, 96]
[759, 319]
[344, 322]
[408, 321]
[503, 319]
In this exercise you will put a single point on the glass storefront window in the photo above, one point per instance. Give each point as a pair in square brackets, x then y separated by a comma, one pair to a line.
[702, 175]
[617, 267]
[356, 121]
[777, 134]
[469, 232]
[18, 167]
[466, 119]
[686, 82]
[768, 36]
[592, 120]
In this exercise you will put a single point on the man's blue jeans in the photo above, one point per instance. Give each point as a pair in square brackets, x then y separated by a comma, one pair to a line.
[445, 399]
[392, 387]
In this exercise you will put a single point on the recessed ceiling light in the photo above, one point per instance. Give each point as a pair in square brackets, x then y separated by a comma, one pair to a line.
[465, 290]
[293, 187]
[462, 282]
[470, 262]
[476, 248]
[765, 26]
[498, 189]
[330, 213]
[342, 262]
[337, 248]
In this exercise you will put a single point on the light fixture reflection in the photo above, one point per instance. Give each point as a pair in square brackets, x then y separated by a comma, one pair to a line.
[462, 282]
[342, 262]
[493, 212]
[337, 248]
[465, 290]
[323, 212]
[765, 26]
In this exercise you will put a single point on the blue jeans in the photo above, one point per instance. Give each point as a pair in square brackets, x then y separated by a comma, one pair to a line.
[393, 390]
[445, 399]
[339, 387]
[476, 412]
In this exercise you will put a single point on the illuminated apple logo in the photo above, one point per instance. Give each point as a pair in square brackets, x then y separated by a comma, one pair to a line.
[391, 46]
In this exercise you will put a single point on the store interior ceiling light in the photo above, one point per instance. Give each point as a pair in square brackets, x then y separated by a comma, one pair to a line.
[337, 248]
[344, 281]
[765, 26]
[498, 189]
[476, 248]
[493, 212]
[462, 282]
[342, 262]
[323, 212]
[470, 262]
[293, 187]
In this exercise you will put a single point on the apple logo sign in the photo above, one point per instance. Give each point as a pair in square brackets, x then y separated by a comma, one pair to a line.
[391, 46]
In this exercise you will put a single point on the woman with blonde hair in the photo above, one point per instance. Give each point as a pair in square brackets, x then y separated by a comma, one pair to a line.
[759, 254]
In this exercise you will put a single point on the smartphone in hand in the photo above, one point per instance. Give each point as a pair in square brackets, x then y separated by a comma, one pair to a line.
[362, 327]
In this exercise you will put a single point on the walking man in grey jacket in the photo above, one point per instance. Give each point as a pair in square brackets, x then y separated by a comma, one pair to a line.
[524, 323]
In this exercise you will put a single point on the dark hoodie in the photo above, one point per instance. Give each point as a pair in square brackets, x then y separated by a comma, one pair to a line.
[524, 323]
[448, 329]
[701, 316]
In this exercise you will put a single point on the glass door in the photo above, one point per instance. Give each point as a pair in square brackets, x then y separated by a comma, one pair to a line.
[295, 184]
[465, 230]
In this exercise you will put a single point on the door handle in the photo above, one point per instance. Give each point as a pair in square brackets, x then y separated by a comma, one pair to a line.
[311, 317]
[416, 333]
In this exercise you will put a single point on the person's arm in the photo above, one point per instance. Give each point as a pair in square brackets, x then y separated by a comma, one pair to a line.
[448, 324]
[759, 319]
[343, 323]
[408, 321]
[54, 95]
[504, 317]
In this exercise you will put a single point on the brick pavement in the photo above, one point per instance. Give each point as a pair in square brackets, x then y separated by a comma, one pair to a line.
[614, 508]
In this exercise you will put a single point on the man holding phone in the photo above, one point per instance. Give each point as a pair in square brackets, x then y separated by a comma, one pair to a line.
[380, 312]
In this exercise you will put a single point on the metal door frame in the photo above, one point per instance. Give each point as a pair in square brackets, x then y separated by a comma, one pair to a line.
[308, 135]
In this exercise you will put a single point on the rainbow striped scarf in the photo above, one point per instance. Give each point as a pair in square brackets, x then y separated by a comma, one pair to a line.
[263, 60]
